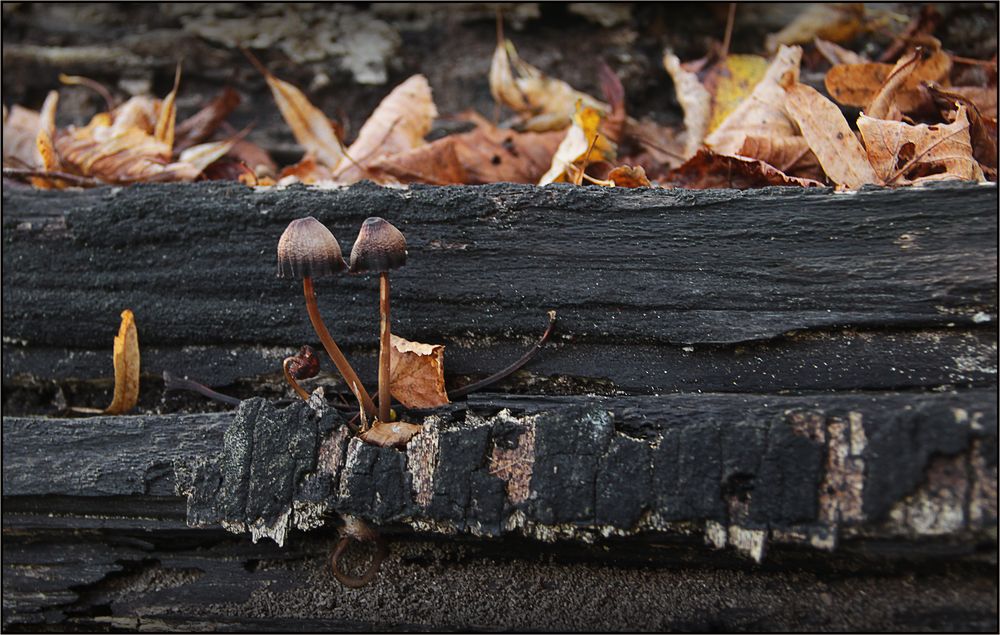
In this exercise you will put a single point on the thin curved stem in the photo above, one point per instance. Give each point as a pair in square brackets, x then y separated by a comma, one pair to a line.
[495, 377]
[381, 551]
[291, 380]
[353, 383]
[384, 357]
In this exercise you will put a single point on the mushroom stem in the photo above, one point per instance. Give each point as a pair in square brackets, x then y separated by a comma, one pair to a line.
[291, 380]
[353, 383]
[384, 394]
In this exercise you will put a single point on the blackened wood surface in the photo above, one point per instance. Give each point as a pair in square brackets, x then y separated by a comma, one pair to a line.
[807, 469]
[655, 289]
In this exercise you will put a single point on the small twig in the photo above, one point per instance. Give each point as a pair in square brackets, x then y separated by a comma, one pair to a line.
[973, 62]
[578, 180]
[171, 382]
[492, 379]
[728, 37]
[291, 380]
[25, 173]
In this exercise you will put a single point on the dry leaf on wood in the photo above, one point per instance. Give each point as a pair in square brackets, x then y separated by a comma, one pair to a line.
[707, 169]
[837, 22]
[544, 103]
[859, 85]
[791, 155]
[829, 136]
[694, 99]
[982, 132]
[203, 124]
[762, 114]
[126, 360]
[416, 376]
[308, 171]
[20, 132]
[918, 65]
[399, 123]
[984, 98]
[837, 54]
[581, 146]
[903, 154]
[435, 163]
[312, 129]
[629, 176]
[390, 434]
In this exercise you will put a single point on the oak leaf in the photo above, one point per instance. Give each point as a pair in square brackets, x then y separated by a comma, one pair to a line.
[416, 376]
[829, 136]
[126, 361]
[904, 154]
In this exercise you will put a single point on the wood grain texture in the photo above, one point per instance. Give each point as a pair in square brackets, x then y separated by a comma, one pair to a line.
[724, 286]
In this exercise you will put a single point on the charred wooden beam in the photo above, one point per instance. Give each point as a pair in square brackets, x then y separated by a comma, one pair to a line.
[656, 289]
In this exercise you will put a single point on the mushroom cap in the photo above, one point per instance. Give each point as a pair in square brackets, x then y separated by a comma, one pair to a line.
[308, 249]
[379, 247]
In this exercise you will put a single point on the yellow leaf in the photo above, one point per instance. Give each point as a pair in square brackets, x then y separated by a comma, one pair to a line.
[733, 79]
[581, 145]
[126, 359]
[416, 376]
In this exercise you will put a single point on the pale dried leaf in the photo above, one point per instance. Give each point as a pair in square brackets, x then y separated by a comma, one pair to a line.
[694, 99]
[126, 360]
[166, 118]
[434, 163]
[829, 136]
[399, 123]
[390, 434]
[898, 150]
[837, 54]
[416, 376]
[837, 22]
[582, 145]
[629, 176]
[707, 170]
[762, 114]
[545, 103]
[311, 128]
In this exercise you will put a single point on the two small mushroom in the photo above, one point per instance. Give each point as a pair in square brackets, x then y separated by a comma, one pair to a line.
[307, 250]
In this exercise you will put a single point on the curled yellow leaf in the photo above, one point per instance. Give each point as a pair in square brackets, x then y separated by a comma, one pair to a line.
[126, 359]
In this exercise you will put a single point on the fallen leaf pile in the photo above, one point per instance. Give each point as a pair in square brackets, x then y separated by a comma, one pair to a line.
[812, 114]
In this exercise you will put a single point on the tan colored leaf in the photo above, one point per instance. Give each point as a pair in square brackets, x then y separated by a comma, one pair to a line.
[20, 135]
[762, 114]
[982, 130]
[916, 66]
[984, 98]
[629, 176]
[903, 154]
[707, 169]
[391, 434]
[399, 123]
[166, 118]
[582, 145]
[791, 155]
[434, 163]
[859, 85]
[126, 359]
[201, 125]
[836, 54]
[837, 22]
[307, 171]
[417, 373]
[311, 128]
[829, 136]
[544, 103]
[694, 99]
[255, 157]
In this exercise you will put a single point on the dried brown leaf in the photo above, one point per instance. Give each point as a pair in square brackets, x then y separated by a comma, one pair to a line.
[707, 169]
[312, 129]
[629, 176]
[434, 163]
[762, 114]
[791, 155]
[126, 360]
[417, 373]
[903, 154]
[544, 103]
[859, 85]
[390, 434]
[981, 133]
[399, 123]
[201, 125]
[829, 136]
[20, 135]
